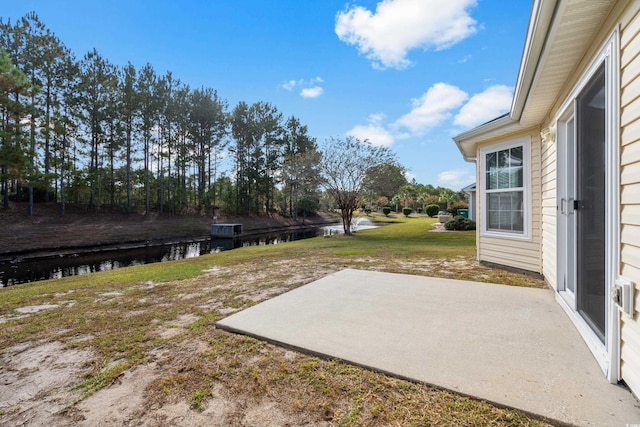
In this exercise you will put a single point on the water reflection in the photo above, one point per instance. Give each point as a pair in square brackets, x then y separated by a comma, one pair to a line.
[22, 271]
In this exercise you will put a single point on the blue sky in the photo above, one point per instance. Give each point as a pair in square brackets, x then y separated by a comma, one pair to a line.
[407, 74]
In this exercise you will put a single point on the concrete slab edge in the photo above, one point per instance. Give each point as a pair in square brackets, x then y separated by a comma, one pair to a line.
[328, 357]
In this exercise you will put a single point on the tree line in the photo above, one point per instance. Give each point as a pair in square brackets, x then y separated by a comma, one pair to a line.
[88, 132]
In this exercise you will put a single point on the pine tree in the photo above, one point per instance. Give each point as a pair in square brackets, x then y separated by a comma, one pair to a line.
[128, 104]
[146, 87]
[300, 160]
[97, 82]
[14, 84]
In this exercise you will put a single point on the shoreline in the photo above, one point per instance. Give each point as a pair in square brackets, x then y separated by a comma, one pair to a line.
[49, 234]
[45, 253]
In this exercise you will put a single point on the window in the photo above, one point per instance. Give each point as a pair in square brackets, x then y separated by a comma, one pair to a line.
[504, 183]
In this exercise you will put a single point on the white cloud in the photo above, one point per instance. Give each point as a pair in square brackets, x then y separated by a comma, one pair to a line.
[289, 85]
[309, 88]
[485, 106]
[410, 176]
[311, 92]
[432, 108]
[374, 132]
[456, 179]
[397, 26]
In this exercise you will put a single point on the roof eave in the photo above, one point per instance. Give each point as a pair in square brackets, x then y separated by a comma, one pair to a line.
[542, 13]
[467, 141]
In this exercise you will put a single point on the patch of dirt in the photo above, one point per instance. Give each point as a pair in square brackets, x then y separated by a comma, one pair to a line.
[36, 308]
[176, 327]
[29, 310]
[121, 404]
[35, 380]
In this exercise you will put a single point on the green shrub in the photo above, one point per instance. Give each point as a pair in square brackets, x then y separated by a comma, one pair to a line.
[432, 210]
[460, 223]
[419, 210]
[386, 210]
[406, 211]
[367, 211]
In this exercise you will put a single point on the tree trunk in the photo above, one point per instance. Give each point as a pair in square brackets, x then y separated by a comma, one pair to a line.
[5, 188]
[128, 167]
[146, 176]
[347, 215]
[112, 174]
[62, 158]
[47, 136]
[32, 153]
[169, 170]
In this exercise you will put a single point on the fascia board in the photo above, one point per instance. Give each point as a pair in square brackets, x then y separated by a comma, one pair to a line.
[467, 142]
[542, 13]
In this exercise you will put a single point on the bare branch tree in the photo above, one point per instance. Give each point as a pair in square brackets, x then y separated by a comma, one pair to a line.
[344, 167]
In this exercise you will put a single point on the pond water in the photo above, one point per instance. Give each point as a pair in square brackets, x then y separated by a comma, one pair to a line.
[27, 270]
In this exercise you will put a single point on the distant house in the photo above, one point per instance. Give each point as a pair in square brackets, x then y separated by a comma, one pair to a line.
[470, 191]
[558, 178]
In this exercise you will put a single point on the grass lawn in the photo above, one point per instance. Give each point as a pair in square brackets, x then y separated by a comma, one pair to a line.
[159, 319]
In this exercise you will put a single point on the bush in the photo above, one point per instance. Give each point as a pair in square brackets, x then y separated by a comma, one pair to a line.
[453, 210]
[367, 211]
[386, 210]
[460, 223]
[432, 210]
[419, 210]
[406, 211]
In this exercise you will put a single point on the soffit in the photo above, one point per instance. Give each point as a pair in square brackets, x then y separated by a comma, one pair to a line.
[575, 25]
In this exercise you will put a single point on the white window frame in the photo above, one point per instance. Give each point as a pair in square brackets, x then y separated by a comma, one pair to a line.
[525, 143]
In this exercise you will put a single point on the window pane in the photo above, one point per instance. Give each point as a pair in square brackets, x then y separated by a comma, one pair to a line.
[492, 163]
[503, 178]
[491, 166]
[503, 159]
[505, 211]
[516, 163]
[516, 177]
[515, 158]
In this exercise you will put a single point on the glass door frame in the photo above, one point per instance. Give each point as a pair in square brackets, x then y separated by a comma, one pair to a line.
[607, 353]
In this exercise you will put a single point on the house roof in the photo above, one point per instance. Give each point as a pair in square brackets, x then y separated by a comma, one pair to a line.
[559, 33]
[470, 188]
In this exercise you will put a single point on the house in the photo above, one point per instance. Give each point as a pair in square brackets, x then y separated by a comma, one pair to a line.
[558, 177]
[470, 191]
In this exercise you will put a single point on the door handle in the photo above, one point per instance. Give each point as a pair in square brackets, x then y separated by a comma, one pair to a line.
[562, 203]
[576, 205]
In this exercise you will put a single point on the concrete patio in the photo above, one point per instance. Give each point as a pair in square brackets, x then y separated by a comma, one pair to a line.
[508, 345]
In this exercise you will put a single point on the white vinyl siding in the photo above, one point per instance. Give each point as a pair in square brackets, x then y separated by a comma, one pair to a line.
[549, 213]
[630, 189]
[509, 249]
